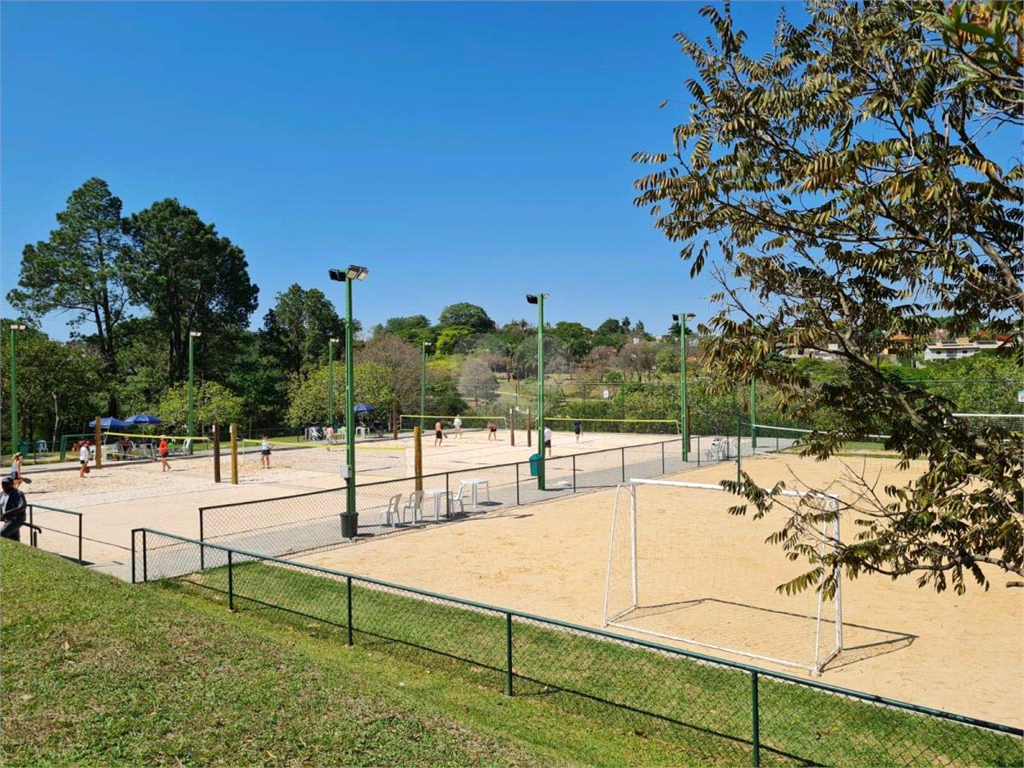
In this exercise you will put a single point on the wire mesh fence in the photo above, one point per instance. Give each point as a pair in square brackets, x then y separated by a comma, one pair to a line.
[302, 522]
[718, 712]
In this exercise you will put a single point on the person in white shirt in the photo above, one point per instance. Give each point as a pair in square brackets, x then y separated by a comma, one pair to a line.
[458, 426]
[547, 440]
[83, 458]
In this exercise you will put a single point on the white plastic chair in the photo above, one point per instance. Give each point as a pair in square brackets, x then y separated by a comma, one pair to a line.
[393, 510]
[414, 505]
[457, 499]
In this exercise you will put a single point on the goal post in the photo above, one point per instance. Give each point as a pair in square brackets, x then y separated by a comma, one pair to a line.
[678, 583]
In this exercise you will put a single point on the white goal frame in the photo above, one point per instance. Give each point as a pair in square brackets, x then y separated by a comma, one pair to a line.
[830, 532]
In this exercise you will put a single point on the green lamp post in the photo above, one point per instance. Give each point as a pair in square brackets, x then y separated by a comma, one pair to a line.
[423, 385]
[684, 422]
[192, 336]
[15, 328]
[350, 519]
[330, 380]
[538, 299]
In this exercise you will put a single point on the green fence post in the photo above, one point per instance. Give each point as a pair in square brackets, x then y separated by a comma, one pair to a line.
[80, 560]
[517, 485]
[574, 473]
[756, 720]
[508, 653]
[739, 447]
[133, 555]
[231, 584]
[202, 549]
[145, 576]
[698, 450]
[663, 458]
[348, 581]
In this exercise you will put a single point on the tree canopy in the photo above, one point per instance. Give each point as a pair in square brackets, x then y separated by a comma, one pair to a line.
[845, 186]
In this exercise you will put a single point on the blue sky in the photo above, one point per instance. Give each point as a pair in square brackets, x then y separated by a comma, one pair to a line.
[463, 152]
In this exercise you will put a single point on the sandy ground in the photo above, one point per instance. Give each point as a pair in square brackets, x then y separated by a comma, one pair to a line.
[715, 579]
[122, 496]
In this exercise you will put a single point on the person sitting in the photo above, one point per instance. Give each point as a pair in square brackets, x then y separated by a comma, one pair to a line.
[125, 447]
[12, 510]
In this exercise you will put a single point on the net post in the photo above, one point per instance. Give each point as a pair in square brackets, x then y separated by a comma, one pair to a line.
[623, 464]
[99, 442]
[529, 430]
[394, 420]
[234, 454]
[698, 450]
[662, 458]
[511, 427]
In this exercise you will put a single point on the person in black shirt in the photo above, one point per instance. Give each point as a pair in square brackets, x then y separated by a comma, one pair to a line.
[12, 510]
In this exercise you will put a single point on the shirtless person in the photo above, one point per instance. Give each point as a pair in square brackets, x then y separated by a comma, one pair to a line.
[438, 434]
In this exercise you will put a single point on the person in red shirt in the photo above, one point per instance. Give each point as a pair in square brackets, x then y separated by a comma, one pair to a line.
[164, 452]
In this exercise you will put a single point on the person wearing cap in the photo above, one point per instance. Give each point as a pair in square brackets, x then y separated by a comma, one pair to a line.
[12, 510]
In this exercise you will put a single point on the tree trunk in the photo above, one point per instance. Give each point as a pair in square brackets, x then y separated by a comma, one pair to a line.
[56, 419]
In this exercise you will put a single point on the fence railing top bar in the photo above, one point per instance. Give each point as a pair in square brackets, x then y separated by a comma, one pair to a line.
[719, 487]
[55, 509]
[895, 703]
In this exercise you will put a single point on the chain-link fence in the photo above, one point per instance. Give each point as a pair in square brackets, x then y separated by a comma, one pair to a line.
[302, 522]
[717, 712]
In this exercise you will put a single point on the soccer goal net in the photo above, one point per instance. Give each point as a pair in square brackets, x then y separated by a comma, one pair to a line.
[681, 568]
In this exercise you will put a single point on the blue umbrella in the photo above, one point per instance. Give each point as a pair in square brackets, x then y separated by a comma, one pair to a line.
[362, 409]
[142, 418]
[109, 422]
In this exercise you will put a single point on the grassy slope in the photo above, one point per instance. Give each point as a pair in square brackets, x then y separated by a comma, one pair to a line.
[98, 672]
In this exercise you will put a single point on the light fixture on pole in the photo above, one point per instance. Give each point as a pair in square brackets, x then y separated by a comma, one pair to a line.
[538, 299]
[15, 328]
[192, 336]
[684, 422]
[423, 385]
[350, 519]
[330, 380]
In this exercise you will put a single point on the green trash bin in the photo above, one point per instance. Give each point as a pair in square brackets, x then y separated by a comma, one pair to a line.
[535, 464]
[23, 447]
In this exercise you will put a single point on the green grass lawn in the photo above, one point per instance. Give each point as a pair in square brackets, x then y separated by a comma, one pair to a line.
[98, 672]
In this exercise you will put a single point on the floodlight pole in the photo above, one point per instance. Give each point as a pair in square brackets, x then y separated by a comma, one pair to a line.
[192, 336]
[330, 381]
[350, 414]
[539, 301]
[423, 385]
[684, 423]
[753, 414]
[15, 327]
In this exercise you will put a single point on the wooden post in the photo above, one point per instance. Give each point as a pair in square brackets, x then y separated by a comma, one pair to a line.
[394, 419]
[529, 429]
[99, 442]
[417, 442]
[512, 426]
[234, 454]
[216, 453]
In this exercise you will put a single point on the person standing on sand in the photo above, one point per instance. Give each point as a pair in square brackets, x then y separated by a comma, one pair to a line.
[492, 431]
[265, 452]
[164, 450]
[458, 426]
[16, 470]
[438, 434]
[83, 458]
[577, 427]
[547, 440]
